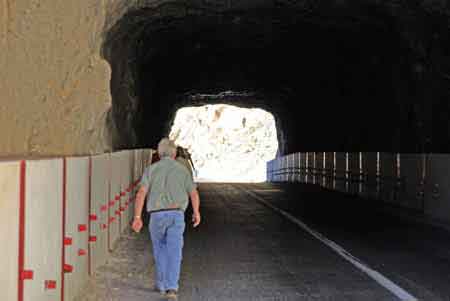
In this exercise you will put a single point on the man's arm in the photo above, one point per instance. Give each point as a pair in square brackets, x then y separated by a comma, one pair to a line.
[195, 201]
[140, 200]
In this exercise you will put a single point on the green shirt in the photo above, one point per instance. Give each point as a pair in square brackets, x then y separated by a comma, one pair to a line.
[169, 184]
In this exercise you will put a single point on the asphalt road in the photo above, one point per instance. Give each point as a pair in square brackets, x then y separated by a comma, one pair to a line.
[244, 250]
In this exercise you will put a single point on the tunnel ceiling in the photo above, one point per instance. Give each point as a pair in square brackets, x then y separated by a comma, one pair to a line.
[337, 75]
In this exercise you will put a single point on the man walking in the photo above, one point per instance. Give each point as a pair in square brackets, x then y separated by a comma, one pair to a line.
[168, 185]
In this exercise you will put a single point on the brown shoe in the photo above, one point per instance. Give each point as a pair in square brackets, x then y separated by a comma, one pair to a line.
[172, 294]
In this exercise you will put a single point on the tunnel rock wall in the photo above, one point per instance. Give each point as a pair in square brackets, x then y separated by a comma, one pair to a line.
[56, 85]
[388, 76]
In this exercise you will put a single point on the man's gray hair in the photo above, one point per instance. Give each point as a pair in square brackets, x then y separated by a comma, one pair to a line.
[167, 148]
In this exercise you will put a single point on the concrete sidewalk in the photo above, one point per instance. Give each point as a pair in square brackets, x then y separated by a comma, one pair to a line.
[241, 251]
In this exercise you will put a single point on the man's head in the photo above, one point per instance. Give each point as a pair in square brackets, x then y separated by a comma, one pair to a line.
[167, 148]
[180, 152]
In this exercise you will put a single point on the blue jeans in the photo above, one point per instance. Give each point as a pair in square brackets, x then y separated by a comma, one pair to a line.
[166, 231]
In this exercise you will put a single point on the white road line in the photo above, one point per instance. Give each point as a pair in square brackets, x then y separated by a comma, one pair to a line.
[383, 281]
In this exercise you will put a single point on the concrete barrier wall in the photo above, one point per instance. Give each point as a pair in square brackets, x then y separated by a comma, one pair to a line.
[147, 157]
[418, 182]
[55, 218]
[269, 171]
[412, 181]
[100, 181]
[125, 194]
[284, 168]
[277, 169]
[10, 204]
[287, 166]
[297, 167]
[329, 165]
[388, 177]
[114, 203]
[76, 237]
[313, 168]
[437, 191]
[302, 167]
[282, 172]
[290, 165]
[137, 164]
[122, 190]
[131, 187]
[309, 168]
[354, 173]
[371, 175]
[320, 169]
[43, 229]
[340, 172]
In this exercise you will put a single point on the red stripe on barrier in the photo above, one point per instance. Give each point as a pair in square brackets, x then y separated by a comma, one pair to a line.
[122, 193]
[103, 208]
[82, 252]
[109, 197]
[120, 211]
[26, 275]
[64, 200]
[92, 217]
[67, 268]
[50, 284]
[104, 226]
[92, 238]
[117, 197]
[67, 241]
[21, 258]
[82, 228]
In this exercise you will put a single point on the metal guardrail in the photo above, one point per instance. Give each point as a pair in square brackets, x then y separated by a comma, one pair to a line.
[403, 179]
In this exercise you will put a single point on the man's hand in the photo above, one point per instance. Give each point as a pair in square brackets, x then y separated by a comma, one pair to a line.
[196, 218]
[137, 224]
[195, 200]
[140, 199]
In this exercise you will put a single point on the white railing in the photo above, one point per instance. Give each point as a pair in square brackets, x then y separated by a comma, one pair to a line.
[415, 181]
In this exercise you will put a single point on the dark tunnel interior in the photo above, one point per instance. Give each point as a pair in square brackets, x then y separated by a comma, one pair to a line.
[342, 77]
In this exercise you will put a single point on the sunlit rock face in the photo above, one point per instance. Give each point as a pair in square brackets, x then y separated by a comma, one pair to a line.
[227, 143]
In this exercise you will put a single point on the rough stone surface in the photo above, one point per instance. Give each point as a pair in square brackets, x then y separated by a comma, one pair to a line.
[227, 143]
[329, 70]
[54, 84]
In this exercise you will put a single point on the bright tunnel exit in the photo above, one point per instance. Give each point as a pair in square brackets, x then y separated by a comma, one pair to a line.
[227, 143]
